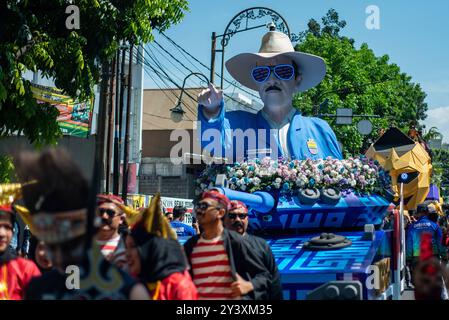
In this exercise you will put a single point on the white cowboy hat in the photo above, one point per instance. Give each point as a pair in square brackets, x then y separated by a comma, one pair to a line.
[312, 68]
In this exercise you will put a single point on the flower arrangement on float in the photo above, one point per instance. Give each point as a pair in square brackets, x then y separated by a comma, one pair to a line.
[326, 179]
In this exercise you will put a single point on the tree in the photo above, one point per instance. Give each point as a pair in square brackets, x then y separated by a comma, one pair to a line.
[331, 26]
[6, 169]
[440, 176]
[357, 79]
[34, 36]
[433, 133]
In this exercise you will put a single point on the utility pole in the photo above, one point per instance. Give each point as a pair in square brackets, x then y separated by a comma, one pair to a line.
[116, 177]
[101, 125]
[128, 116]
[110, 124]
[120, 119]
[212, 59]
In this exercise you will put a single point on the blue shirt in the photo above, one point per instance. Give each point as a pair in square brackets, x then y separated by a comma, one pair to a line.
[182, 229]
[413, 237]
[307, 137]
[15, 237]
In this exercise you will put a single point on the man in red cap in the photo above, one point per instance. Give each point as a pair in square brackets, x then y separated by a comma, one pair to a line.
[15, 272]
[222, 264]
[108, 238]
[237, 220]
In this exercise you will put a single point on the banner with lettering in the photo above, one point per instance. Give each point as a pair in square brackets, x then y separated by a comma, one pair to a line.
[74, 116]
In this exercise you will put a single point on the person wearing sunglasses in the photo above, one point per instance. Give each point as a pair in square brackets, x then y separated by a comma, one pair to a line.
[237, 220]
[277, 72]
[108, 237]
[222, 265]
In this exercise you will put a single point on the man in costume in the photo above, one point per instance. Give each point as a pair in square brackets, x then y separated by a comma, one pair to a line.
[108, 238]
[15, 272]
[60, 216]
[277, 72]
[237, 220]
[223, 266]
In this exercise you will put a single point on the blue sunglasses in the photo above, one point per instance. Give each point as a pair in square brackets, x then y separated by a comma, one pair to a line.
[281, 71]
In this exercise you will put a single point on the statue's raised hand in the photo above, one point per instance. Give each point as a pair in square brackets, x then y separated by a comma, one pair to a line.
[210, 98]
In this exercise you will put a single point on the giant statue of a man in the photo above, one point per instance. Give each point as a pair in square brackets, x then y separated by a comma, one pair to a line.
[277, 72]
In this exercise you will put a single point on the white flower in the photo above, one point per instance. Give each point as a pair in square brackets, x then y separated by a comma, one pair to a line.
[256, 181]
[239, 173]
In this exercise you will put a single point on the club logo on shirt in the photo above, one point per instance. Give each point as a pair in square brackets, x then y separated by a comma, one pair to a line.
[312, 146]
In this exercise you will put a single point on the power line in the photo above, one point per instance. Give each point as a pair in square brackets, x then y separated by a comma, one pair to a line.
[158, 64]
[170, 61]
[185, 55]
[224, 94]
[205, 66]
[174, 58]
[167, 77]
[171, 80]
[164, 91]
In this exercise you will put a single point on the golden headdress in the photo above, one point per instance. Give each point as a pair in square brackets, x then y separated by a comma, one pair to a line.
[10, 192]
[154, 221]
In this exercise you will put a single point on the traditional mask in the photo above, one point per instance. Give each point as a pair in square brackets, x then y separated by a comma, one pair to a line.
[407, 162]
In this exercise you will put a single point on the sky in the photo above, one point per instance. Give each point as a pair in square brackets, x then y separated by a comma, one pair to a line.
[415, 35]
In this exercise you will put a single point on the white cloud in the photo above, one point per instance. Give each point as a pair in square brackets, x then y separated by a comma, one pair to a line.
[439, 117]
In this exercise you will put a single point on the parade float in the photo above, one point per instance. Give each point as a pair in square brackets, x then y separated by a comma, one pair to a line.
[323, 218]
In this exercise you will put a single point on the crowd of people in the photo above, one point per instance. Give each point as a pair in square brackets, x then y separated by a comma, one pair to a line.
[427, 244]
[56, 225]
[117, 259]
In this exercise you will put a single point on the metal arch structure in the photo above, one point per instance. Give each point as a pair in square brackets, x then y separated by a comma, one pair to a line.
[249, 14]
[239, 23]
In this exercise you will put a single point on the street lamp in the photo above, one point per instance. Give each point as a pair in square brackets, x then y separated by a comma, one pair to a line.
[177, 112]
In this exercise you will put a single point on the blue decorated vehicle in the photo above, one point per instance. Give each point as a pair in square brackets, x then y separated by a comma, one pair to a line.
[328, 243]
[289, 224]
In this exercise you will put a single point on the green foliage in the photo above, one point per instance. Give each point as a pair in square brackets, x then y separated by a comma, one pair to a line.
[357, 79]
[433, 133]
[440, 174]
[34, 37]
[6, 169]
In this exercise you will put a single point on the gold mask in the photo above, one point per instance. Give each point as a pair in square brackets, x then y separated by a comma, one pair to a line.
[399, 154]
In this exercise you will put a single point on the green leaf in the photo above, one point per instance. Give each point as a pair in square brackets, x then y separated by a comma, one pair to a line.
[3, 93]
